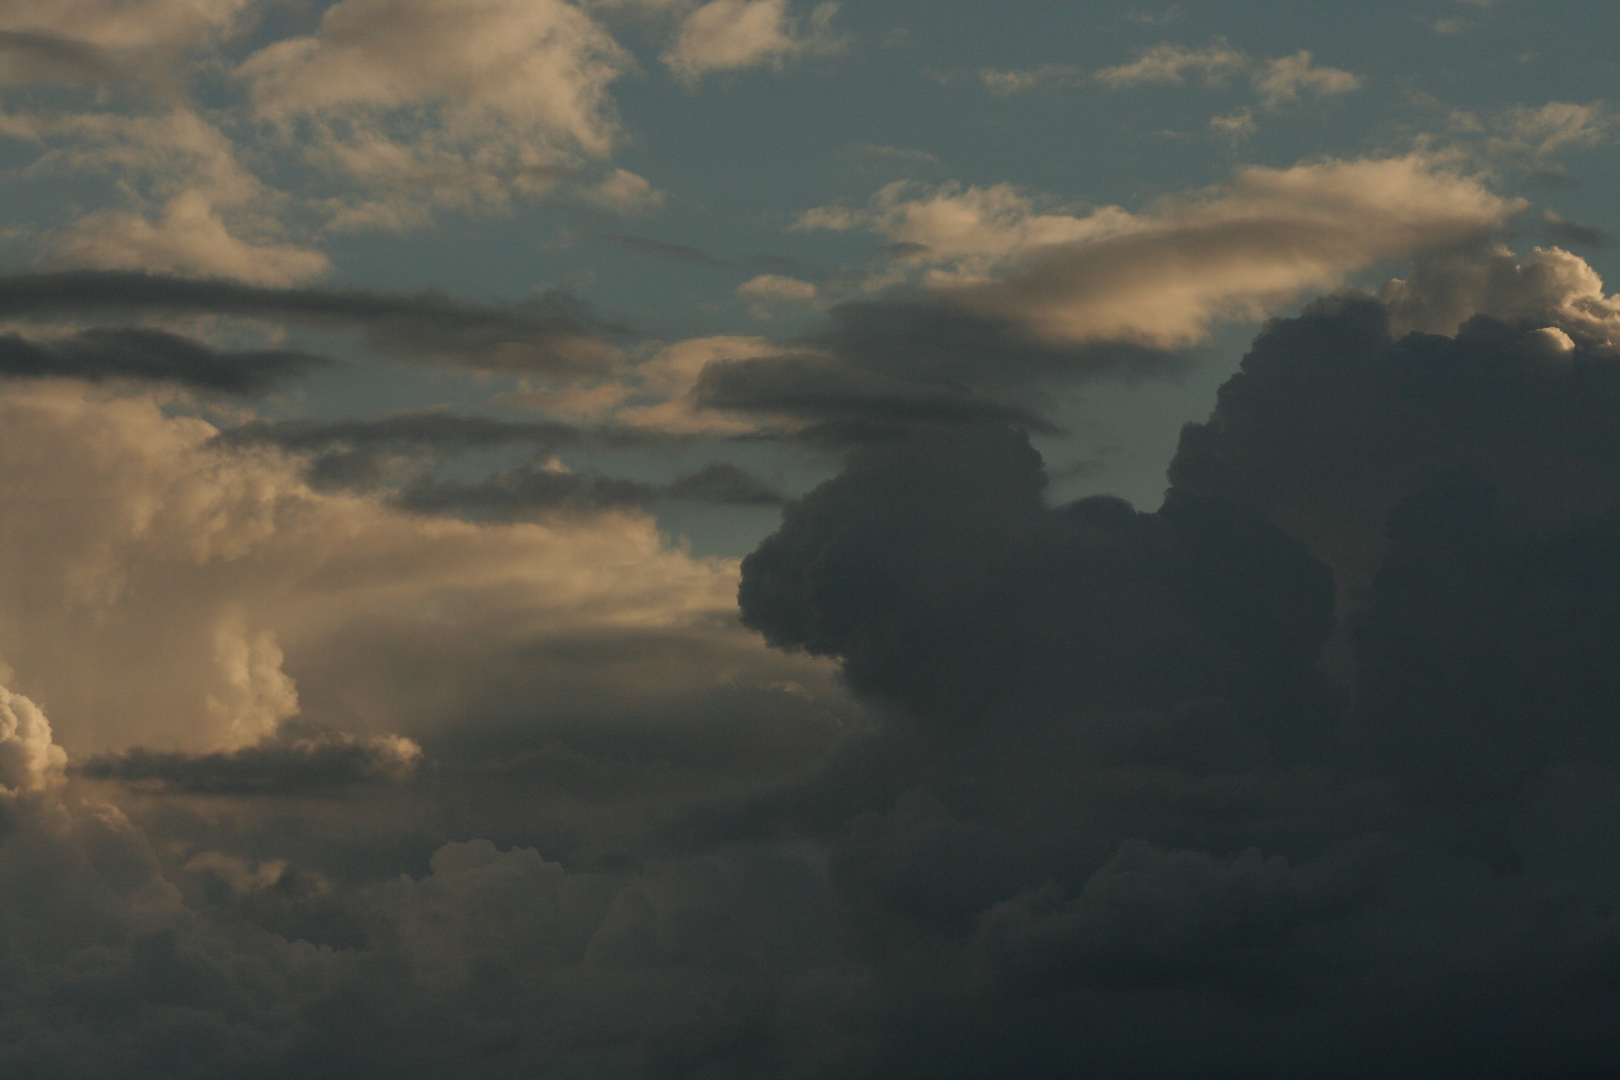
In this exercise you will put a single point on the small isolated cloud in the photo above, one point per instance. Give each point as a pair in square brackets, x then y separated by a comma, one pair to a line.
[1006, 82]
[1167, 63]
[1235, 126]
[1526, 133]
[1277, 81]
[769, 289]
[726, 35]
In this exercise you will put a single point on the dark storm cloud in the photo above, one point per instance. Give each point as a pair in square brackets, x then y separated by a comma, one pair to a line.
[554, 332]
[100, 354]
[1113, 818]
[296, 758]
[1332, 421]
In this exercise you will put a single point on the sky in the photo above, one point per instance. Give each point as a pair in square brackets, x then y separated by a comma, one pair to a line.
[760, 538]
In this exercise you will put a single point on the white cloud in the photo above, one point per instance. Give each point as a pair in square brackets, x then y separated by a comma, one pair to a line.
[460, 103]
[1167, 63]
[29, 760]
[1162, 277]
[1548, 285]
[157, 588]
[188, 204]
[1284, 79]
[1544, 130]
[725, 35]
[1277, 81]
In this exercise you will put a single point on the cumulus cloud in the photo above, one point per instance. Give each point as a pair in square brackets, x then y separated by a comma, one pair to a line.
[204, 587]
[464, 105]
[1347, 399]
[725, 35]
[187, 206]
[1106, 784]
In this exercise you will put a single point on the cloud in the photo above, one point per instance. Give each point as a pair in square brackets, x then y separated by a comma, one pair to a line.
[423, 104]
[1162, 278]
[207, 592]
[1105, 785]
[1172, 64]
[148, 355]
[39, 57]
[1009, 81]
[186, 205]
[295, 758]
[551, 333]
[1277, 81]
[725, 35]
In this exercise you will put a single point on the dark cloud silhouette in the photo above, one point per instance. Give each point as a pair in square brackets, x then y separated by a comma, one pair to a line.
[552, 333]
[296, 758]
[1332, 421]
[1110, 814]
[146, 355]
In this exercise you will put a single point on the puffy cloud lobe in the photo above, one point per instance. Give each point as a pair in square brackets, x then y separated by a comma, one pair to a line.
[204, 589]
[28, 757]
[727, 34]
[1333, 420]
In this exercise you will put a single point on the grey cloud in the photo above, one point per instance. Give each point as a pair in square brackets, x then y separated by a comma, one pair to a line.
[100, 354]
[1333, 420]
[553, 333]
[33, 56]
[844, 401]
[680, 253]
[1560, 231]
[296, 758]
[537, 490]
[355, 453]
[1109, 814]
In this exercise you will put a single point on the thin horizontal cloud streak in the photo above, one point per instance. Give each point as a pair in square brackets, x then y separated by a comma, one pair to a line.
[554, 332]
[148, 355]
[296, 758]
